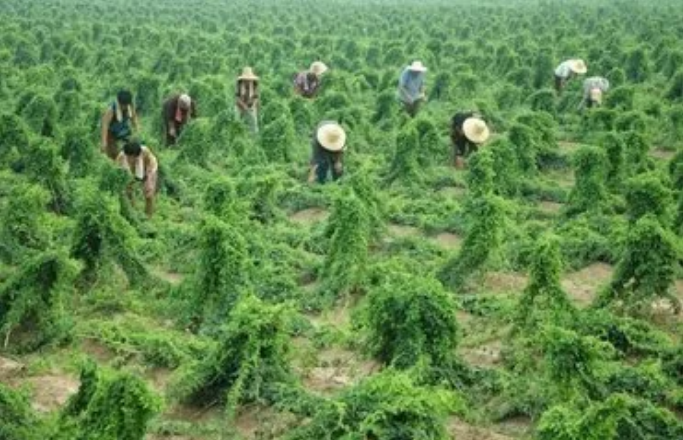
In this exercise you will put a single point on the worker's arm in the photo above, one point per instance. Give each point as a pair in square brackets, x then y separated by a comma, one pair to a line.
[134, 119]
[106, 121]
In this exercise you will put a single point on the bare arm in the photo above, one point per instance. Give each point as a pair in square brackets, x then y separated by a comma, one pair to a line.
[106, 120]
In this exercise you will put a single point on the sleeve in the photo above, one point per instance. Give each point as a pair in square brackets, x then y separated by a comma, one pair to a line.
[151, 165]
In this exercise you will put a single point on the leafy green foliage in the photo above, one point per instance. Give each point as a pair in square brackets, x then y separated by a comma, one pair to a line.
[36, 296]
[647, 269]
[17, 419]
[589, 192]
[410, 319]
[544, 300]
[388, 406]
[248, 362]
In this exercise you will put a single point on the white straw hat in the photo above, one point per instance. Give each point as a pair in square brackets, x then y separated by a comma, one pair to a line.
[417, 66]
[475, 130]
[184, 101]
[331, 136]
[248, 75]
[578, 66]
[318, 67]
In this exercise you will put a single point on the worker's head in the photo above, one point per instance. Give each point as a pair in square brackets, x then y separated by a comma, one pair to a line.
[124, 97]
[476, 130]
[595, 96]
[184, 102]
[132, 148]
[318, 68]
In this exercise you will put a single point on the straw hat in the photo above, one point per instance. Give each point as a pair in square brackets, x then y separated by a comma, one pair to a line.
[417, 66]
[578, 66]
[318, 67]
[596, 95]
[184, 101]
[331, 137]
[247, 75]
[475, 130]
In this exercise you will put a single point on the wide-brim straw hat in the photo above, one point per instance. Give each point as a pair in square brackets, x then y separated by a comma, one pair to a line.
[578, 66]
[184, 101]
[248, 75]
[417, 66]
[318, 67]
[331, 137]
[476, 130]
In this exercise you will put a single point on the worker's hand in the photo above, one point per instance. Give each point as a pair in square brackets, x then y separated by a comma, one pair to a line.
[311, 174]
[338, 167]
[171, 131]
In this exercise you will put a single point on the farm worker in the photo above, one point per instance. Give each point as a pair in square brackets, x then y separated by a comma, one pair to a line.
[567, 70]
[593, 89]
[411, 87]
[177, 112]
[329, 143]
[247, 98]
[307, 83]
[116, 123]
[139, 161]
[468, 131]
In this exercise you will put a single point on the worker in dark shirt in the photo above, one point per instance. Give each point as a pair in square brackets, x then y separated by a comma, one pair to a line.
[177, 112]
[328, 144]
[468, 131]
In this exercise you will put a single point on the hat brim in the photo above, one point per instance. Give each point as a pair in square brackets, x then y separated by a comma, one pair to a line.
[578, 68]
[248, 78]
[469, 128]
[417, 68]
[331, 137]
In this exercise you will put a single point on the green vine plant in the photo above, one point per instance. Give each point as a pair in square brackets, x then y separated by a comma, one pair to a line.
[408, 319]
[543, 300]
[405, 166]
[387, 405]
[589, 193]
[486, 215]
[248, 363]
[108, 406]
[102, 236]
[620, 416]
[34, 298]
[345, 268]
[647, 194]
[222, 274]
[25, 227]
[18, 421]
[647, 269]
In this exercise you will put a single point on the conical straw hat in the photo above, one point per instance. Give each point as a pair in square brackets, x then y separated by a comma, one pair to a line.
[578, 66]
[318, 67]
[417, 66]
[331, 137]
[476, 130]
[248, 75]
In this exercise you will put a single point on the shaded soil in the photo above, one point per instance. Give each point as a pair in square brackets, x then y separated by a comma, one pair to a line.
[505, 282]
[453, 191]
[50, 392]
[447, 240]
[171, 277]
[402, 231]
[461, 430]
[659, 153]
[485, 356]
[582, 286]
[550, 207]
[309, 216]
[337, 368]
[9, 368]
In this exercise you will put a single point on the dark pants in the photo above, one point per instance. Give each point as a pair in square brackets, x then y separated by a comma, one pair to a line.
[559, 83]
[325, 165]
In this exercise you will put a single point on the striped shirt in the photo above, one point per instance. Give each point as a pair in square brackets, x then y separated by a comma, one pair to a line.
[595, 82]
[564, 70]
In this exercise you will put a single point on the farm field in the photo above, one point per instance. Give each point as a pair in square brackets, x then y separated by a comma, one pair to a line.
[535, 294]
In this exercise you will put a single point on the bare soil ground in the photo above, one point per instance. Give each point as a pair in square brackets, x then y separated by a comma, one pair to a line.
[338, 368]
[447, 240]
[486, 355]
[505, 282]
[49, 392]
[309, 216]
[582, 286]
[549, 207]
[400, 231]
[460, 430]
